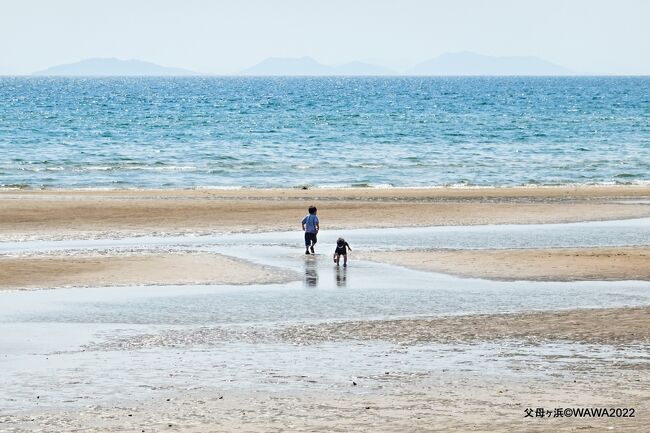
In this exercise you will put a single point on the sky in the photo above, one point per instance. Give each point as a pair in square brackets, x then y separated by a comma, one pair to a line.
[224, 37]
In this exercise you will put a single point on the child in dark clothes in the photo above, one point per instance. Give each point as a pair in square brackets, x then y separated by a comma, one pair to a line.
[342, 248]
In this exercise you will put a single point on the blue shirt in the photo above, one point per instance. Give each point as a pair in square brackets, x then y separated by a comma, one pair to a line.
[310, 222]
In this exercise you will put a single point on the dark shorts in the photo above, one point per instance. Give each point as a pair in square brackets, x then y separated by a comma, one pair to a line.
[310, 238]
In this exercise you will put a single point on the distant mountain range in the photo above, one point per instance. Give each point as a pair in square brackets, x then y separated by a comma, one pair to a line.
[462, 63]
[466, 63]
[309, 66]
[113, 67]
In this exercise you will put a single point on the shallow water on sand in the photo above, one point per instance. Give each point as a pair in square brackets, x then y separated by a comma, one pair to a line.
[96, 377]
[585, 234]
[362, 292]
[87, 345]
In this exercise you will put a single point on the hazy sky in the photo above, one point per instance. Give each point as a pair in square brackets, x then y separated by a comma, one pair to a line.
[214, 36]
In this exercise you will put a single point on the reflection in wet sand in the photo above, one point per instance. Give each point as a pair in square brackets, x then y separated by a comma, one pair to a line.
[311, 271]
[341, 277]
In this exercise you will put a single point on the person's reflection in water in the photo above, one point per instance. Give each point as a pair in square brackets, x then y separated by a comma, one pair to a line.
[341, 277]
[311, 273]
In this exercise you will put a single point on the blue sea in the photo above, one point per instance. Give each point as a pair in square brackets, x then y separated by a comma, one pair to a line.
[322, 132]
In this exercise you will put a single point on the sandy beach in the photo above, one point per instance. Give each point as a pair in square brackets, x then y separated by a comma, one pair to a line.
[615, 326]
[467, 372]
[490, 370]
[564, 264]
[118, 213]
[133, 269]
[83, 214]
[150, 268]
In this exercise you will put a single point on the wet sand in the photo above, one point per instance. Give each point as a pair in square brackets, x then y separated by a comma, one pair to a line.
[134, 269]
[439, 402]
[481, 371]
[84, 269]
[617, 327]
[76, 214]
[487, 371]
[562, 264]
[610, 326]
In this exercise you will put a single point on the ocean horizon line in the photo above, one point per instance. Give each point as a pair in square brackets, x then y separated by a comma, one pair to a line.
[252, 76]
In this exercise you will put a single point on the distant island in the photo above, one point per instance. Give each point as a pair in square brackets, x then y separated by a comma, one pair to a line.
[448, 64]
[113, 67]
[467, 63]
[309, 66]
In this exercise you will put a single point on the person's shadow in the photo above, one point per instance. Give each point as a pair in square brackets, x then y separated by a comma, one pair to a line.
[311, 272]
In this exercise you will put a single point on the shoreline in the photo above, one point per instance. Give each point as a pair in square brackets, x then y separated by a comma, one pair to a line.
[87, 214]
[307, 187]
[605, 189]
